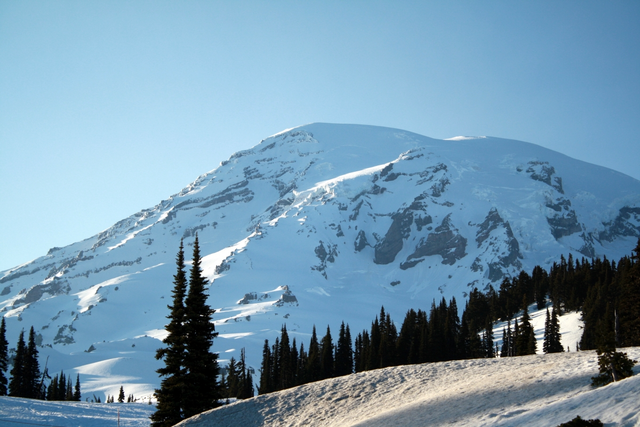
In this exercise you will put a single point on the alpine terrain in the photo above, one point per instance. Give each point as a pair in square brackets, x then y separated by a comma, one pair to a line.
[313, 226]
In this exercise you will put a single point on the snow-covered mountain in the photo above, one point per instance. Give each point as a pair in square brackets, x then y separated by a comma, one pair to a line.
[316, 225]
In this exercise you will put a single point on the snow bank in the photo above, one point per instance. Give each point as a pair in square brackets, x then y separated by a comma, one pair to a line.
[540, 390]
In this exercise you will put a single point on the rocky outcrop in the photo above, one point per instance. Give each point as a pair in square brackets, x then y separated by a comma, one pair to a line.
[361, 241]
[325, 255]
[391, 244]
[501, 248]
[444, 241]
[543, 172]
[626, 223]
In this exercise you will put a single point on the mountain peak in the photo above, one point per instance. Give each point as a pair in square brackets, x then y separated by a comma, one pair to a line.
[316, 225]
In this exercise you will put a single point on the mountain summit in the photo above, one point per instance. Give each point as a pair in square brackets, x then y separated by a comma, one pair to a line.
[316, 225]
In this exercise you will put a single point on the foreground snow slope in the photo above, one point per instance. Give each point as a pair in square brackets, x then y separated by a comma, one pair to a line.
[20, 412]
[540, 390]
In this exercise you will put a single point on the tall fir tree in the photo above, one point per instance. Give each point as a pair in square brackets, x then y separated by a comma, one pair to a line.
[326, 358]
[344, 352]
[170, 393]
[265, 370]
[314, 370]
[200, 363]
[32, 369]
[4, 359]
[77, 395]
[17, 384]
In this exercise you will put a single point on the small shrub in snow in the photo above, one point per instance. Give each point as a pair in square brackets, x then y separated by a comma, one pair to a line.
[579, 422]
[614, 366]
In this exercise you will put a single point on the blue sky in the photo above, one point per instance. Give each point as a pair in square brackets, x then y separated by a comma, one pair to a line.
[106, 108]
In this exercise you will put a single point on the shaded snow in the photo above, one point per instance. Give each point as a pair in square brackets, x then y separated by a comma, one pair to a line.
[540, 390]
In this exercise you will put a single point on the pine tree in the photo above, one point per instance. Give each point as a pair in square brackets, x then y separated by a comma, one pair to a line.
[344, 352]
[121, 395]
[245, 386]
[17, 384]
[326, 359]
[52, 390]
[3, 358]
[265, 370]
[62, 386]
[555, 344]
[170, 394]
[32, 369]
[614, 366]
[200, 363]
[76, 392]
[314, 370]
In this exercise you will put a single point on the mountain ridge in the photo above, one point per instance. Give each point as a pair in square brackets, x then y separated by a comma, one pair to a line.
[319, 224]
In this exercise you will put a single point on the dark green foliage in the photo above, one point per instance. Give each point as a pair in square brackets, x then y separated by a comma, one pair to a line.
[188, 358]
[3, 358]
[76, 390]
[170, 393]
[344, 352]
[200, 364]
[614, 366]
[32, 369]
[17, 385]
[552, 339]
[265, 370]
[326, 355]
[61, 388]
[579, 422]
[25, 374]
[121, 395]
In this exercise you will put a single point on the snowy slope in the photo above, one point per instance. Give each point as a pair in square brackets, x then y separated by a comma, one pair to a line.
[540, 390]
[316, 225]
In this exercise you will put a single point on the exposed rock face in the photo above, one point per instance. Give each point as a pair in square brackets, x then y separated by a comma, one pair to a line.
[287, 297]
[444, 241]
[361, 241]
[325, 255]
[389, 247]
[491, 234]
[543, 172]
[627, 223]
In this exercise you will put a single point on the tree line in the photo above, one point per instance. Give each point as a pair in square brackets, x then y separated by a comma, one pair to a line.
[26, 378]
[607, 293]
[437, 335]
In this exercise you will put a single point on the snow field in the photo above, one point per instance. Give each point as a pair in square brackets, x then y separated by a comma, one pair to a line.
[540, 390]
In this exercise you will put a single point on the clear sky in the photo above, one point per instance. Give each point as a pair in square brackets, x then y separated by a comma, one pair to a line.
[108, 107]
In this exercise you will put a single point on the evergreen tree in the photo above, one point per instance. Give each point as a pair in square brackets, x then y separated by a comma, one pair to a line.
[170, 393]
[488, 340]
[326, 358]
[201, 365]
[314, 370]
[344, 352]
[121, 395]
[62, 386]
[245, 383]
[4, 360]
[614, 366]
[32, 369]
[52, 390]
[265, 370]
[286, 370]
[76, 392]
[17, 386]
[552, 338]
